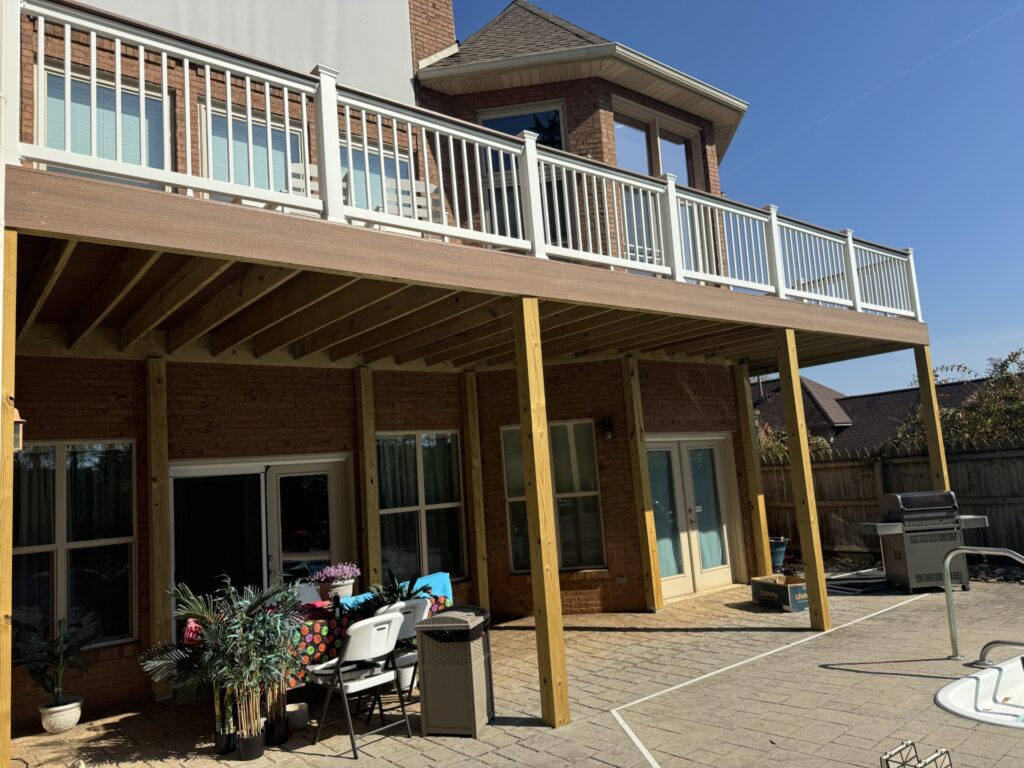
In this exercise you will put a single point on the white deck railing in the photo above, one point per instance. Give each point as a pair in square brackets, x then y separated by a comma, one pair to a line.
[217, 125]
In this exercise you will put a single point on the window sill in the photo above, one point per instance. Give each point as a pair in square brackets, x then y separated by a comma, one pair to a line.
[576, 574]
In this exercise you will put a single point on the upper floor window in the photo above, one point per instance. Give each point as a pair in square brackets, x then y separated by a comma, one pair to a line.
[652, 143]
[543, 119]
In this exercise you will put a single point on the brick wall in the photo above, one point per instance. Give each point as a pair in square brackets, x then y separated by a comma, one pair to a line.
[431, 27]
[90, 400]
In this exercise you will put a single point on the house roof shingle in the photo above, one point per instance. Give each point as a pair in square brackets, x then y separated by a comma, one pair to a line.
[521, 28]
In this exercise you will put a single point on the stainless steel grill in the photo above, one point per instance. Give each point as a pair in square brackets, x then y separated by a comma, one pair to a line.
[916, 533]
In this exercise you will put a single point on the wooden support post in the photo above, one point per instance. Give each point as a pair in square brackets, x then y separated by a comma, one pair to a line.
[160, 577]
[369, 507]
[475, 485]
[752, 466]
[804, 505]
[642, 503]
[7, 339]
[540, 515]
[930, 418]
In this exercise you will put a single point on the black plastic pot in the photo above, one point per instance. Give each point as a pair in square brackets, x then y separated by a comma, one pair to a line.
[225, 743]
[251, 748]
[276, 732]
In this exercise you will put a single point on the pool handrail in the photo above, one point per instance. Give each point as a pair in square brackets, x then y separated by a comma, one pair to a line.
[947, 583]
[983, 660]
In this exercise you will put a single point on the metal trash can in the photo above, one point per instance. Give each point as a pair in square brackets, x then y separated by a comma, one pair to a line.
[456, 693]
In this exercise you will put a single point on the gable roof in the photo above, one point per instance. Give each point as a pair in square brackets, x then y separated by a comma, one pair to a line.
[521, 28]
[526, 45]
[861, 422]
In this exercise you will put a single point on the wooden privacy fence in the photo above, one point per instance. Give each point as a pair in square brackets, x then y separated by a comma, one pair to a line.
[987, 480]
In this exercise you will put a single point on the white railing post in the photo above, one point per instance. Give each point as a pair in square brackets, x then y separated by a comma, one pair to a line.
[533, 207]
[10, 79]
[673, 233]
[773, 242]
[915, 297]
[328, 144]
[852, 281]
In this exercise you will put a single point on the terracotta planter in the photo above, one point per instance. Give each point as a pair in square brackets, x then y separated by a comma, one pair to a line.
[328, 589]
[62, 718]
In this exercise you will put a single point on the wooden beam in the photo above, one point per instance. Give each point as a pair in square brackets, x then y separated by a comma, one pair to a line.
[540, 515]
[930, 418]
[804, 506]
[195, 275]
[640, 337]
[643, 503]
[397, 305]
[349, 300]
[7, 344]
[475, 485]
[305, 290]
[252, 285]
[118, 283]
[47, 274]
[369, 501]
[404, 326]
[160, 577]
[756, 510]
[417, 345]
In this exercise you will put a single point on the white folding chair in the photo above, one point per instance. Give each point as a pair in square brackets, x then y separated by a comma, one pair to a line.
[413, 612]
[356, 670]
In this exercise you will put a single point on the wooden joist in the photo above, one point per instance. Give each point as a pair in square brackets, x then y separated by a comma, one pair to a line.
[540, 516]
[131, 266]
[255, 282]
[47, 274]
[193, 276]
[804, 507]
[349, 300]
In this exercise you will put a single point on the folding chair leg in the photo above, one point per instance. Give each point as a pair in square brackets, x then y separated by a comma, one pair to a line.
[351, 730]
[380, 704]
[412, 680]
[405, 715]
[323, 711]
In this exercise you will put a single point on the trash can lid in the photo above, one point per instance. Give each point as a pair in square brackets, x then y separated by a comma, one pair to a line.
[461, 617]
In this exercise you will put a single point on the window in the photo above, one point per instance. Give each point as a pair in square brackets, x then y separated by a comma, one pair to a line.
[421, 504]
[80, 140]
[543, 119]
[381, 184]
[577, 496]
[653, 143]
[261, 174]
[74, 538]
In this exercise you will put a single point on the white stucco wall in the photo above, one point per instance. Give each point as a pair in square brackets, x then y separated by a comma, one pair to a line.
[366, 40]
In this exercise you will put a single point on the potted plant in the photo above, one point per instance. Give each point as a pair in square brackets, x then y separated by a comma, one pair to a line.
[195, 664]
[47, 661]
[337, 580]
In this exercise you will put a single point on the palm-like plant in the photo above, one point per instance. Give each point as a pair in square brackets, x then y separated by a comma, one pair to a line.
[47, 660]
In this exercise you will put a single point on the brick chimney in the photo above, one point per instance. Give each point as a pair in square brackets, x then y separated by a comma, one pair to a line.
[432, 27]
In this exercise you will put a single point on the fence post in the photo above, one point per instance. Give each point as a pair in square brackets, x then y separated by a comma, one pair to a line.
[852, 281]
[773, 242]
[672, 233]
[915, 297]
[328, 144]
[533, 206]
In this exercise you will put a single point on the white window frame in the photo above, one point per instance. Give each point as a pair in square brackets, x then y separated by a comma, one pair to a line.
[422, 507]
[61, 547]
[603, 565]
[106, 79]
[526, 108]
[655, 121]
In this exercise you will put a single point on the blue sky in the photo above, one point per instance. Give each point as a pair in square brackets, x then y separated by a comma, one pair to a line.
[933, 159]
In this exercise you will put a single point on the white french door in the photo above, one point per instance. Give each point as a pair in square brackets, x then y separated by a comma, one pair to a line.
[691, 513]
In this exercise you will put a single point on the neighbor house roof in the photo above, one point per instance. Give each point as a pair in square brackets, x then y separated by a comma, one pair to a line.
[858, 422]
[526, 45]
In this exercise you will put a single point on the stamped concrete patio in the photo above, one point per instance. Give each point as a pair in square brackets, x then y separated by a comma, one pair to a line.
[710, 681]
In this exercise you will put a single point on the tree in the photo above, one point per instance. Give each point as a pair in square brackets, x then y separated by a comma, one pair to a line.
[774, 443]
[993, 413]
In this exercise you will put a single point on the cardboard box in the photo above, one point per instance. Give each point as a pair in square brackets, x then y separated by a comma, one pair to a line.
[786, 592]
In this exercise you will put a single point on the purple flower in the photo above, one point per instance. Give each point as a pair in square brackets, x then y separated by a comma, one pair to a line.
[337, 572]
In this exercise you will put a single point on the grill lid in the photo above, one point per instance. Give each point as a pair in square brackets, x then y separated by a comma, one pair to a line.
[920, 508]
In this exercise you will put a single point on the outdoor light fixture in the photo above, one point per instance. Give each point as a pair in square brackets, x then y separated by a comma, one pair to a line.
[606, 427]
[19, 431]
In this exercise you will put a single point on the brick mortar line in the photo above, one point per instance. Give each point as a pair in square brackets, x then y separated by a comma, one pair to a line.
[636, 739]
